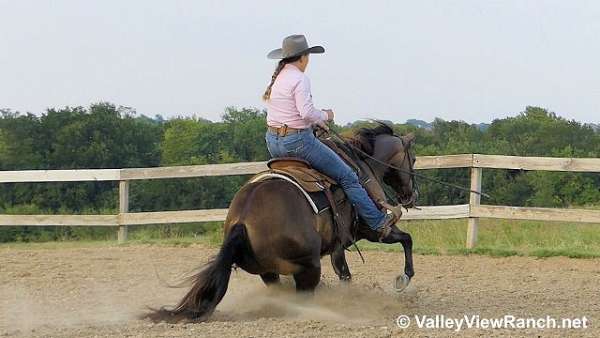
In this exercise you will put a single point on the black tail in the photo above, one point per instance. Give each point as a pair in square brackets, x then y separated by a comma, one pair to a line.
[210, 284]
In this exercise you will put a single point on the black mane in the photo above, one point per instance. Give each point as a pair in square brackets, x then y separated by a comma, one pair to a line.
[365, 137]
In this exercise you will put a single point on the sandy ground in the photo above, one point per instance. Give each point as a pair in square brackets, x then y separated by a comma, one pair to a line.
[100, 292]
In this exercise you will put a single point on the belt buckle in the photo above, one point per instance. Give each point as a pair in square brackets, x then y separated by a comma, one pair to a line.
[285, 129]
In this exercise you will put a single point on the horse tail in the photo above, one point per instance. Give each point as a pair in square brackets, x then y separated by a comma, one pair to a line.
[210, 283]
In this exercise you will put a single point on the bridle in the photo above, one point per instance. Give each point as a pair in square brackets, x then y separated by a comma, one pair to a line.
[413, 174]
[413, 178]
[389, 192]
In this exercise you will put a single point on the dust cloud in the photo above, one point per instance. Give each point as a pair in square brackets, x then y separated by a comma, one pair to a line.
[339, 302]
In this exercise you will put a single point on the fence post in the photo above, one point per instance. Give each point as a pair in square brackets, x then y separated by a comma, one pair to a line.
[123, 208]
[474, 200]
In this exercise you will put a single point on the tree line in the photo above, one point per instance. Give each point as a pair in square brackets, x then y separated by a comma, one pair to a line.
[108, 136]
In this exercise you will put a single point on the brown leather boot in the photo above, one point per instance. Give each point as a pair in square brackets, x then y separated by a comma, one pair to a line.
[391, 217]
[386, 228]
[395, 209]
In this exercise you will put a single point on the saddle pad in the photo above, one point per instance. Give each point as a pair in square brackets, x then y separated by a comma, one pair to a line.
[271, 175]
[317, 199]
[310, 179]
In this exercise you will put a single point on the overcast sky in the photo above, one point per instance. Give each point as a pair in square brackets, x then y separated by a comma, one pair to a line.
[466, 60]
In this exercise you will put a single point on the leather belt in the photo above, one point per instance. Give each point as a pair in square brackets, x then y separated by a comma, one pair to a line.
[284, 131]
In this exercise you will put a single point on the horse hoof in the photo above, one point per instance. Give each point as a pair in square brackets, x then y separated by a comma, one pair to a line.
[346, 278]
[401, 282]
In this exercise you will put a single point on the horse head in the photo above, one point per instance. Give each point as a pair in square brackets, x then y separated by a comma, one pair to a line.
[392, 160]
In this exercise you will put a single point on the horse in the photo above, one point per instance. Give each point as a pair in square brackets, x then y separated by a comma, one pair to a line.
[271, 230]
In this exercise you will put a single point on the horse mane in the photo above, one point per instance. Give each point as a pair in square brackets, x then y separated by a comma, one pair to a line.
[364, 138]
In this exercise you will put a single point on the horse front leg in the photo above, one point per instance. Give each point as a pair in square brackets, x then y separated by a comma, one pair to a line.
[397, 235]
[340, 266]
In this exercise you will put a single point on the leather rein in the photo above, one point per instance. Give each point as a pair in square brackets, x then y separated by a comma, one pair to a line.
[411, 172]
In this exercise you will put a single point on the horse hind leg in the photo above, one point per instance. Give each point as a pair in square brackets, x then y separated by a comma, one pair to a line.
[340, 266]
[308, 278]
[270, 278]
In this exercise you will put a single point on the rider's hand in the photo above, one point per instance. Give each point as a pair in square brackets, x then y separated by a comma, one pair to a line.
[322, 125]
[329, 114]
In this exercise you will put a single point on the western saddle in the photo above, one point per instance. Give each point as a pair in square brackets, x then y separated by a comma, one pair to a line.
[300, 170]
[320, 190]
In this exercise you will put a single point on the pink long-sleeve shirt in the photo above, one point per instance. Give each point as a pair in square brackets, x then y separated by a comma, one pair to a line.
[291, 101]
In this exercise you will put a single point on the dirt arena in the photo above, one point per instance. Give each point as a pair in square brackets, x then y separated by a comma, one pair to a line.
[101, 291]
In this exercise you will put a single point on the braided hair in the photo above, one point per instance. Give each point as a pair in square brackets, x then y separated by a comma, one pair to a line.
[267, 95]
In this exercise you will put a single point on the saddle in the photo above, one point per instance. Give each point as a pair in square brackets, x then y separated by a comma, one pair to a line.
[320, 190]
[312, 183]
[310, 179]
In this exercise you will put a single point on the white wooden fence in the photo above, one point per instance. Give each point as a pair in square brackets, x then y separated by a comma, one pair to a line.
[473, 211]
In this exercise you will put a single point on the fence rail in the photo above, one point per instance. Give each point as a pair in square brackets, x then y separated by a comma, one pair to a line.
[473, 211]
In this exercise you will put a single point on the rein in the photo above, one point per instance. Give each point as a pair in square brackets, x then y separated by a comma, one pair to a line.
[412, 172]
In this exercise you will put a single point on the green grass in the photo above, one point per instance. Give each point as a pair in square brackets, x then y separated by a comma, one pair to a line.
[212, 238]
[498, 238]
[501, 238]
[209, 233]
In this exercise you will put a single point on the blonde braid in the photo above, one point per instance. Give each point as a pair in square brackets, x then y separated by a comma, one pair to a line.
[267, 95]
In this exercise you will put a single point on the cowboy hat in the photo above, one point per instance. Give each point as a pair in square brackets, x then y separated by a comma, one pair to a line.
[294, 45]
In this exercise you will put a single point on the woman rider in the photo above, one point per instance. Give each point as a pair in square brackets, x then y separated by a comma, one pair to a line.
[290, 117]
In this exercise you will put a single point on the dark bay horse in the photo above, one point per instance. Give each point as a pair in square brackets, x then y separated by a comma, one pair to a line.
[271, 230]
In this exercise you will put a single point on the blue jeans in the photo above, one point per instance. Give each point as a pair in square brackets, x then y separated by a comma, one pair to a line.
[306, 146]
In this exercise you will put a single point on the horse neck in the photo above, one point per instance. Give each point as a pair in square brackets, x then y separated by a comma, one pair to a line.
[373, 167]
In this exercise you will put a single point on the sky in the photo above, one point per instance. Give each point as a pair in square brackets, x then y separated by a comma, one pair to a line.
[458, 60]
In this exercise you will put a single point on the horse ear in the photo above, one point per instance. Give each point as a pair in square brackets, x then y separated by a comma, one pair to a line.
[409, 139]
